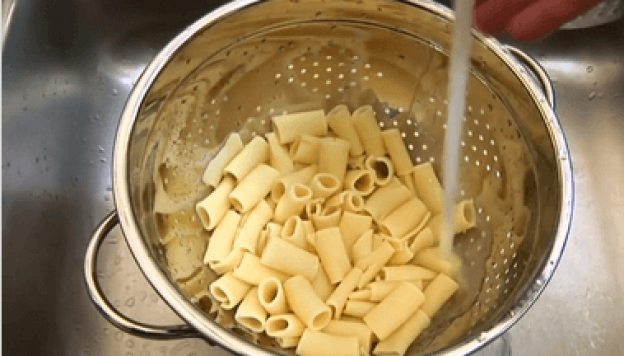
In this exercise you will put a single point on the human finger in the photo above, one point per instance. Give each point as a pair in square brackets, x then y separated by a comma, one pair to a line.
[546, 16]
[493, 15]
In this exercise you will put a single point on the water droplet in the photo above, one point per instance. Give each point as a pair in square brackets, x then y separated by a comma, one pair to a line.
[590, 69]
[114, 91]
[101, 149]
[103, 160]
[130, 343]
[592, 96]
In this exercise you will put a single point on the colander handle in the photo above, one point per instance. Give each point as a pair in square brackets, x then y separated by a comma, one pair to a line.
[104, 306]
[538, 70]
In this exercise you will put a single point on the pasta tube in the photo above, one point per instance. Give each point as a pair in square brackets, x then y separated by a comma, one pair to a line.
[302, 176]
[386, 199]
[272, 296]
[294, 232]
[333, 157]
[284, 325]
[338, 298]
[290, 126]
[405, 218]
[358, 308]
[438, 292]
[214, 171]
[382, 166]
[229, 290]
[333, 255]
[324, 185]
[253, 272]
[428, 187]
[250, 313]
[352, 328]
[361, 181]
[352, 227]
[464, 216]
[286, 258]
[406, 273]
[372, 264]
[253, 188]
[362, 247]
[315, 343]
[329, 217]
[321, 284]
[305, 150]
[401, 339]
[306, 304]
[430, 258]
[222, 239]
[368, 131]
[423, 240]
[339, 120]
[435, 225]
[254, 153]
[214, 207]
[278, 156]
[231, 261]
[250, 231]
[401, 304]
[396, 148]
[293, 202]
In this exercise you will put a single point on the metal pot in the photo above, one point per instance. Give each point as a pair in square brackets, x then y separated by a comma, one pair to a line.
[243, 36]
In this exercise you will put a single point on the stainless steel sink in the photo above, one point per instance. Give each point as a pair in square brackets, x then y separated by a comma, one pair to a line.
[68, 67]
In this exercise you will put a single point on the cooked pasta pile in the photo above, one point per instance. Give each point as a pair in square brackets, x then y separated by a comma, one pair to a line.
[324, 235]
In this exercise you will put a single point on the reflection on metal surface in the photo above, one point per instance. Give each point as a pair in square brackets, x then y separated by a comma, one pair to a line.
[59, 119]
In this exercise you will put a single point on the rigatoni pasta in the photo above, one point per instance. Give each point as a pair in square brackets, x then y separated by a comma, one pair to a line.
[368, 131]
[272, 296]
[214, 207]
[304, 302]
[253, 188]
[289, 259]
[214, 171]
[290, 126]
[333, 157]
[255, 153]
[250, 313]
[339, 120]
[314, 238]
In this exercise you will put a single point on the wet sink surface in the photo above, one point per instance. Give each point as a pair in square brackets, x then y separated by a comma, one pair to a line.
[65, 81]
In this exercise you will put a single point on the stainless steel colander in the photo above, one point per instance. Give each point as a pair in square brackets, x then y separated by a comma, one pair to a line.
[248, 60]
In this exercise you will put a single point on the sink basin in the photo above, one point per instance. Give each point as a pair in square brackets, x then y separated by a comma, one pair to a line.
[67, 70]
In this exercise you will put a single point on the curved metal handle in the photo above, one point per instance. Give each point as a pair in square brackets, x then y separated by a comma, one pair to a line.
[104, 306]
[538, 70]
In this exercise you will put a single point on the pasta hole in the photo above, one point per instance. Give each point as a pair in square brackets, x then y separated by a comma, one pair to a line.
[302, 192]
[469, 213]
[364, 183]
[278, 190]
[356, 202]
[321, 320]
[289, 228]
[252, 323]
[220, 295]
[236, 203]
[203, 216]
[329, 182]
[381, 169]
[278, 324]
